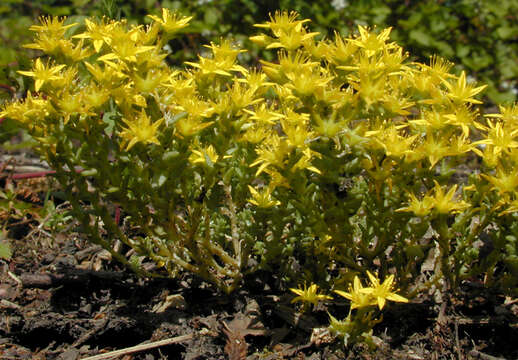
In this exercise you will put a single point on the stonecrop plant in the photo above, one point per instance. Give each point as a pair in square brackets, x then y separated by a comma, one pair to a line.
[358, 324]
[339, 158]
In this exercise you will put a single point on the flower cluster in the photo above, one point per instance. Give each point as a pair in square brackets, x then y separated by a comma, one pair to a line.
[340, 155]
[376, 294]
[358, 325]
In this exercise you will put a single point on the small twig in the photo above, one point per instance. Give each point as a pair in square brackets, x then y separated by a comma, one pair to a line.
[481, 320]
[90, 333]
[441, 318]
[14, 277]
[480, 355]
[70, 276]
[457, 342]
[233, 225]
[9, 305]
[141, 347]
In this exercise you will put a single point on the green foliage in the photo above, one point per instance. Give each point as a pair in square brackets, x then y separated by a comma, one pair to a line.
[332, 156]
[5, 248]
[12, 206]
[5, 251]
[479, 35]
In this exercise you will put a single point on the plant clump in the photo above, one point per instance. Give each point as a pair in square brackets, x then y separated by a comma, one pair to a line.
[339, 158]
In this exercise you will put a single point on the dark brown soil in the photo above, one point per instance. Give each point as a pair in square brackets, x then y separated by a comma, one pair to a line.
[62, 298]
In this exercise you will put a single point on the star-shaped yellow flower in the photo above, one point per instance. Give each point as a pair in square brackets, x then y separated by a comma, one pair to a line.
[262, 198]
[358, 298]
[42, 73]
[382, 292]
[462, 92]
[309, 294]
[170, 21]
[140, 129]
[445, 203]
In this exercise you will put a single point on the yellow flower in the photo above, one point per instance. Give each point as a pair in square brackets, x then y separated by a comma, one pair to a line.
[47, 43]
[261, 40]
[263, 198]
[358, 298]
[256, 80]
[382, 292]
[224, 51]
[194, 106]
[255, 134]
[75, 52]
[291, 40]
[394, 144]
[434, 148]
[298, 135]
[95, 95]
[461, 91]
[305, 161]
[287, 63]
[71, 104]
[140, 129]
[205, 156]
[235, 99]
[397, 104]
[29, 111]
[97, 32]
[273, 152]
[309, 295]
[108, 77]
[513, 207]
[126, 97]
[372, 43]
[150, 81]
[371, 89]
[445, 203]
[433, 120]
[420, 208]
[67, 79]
[283, 22]
[463, 117]
[508, 114]
[42, 73]
[503, 182]
[210, 66]
[222, 61]
[341, 51]
[293, 118]
[52, 26]
[171, 22]
[459, 145]
[498, 137]
[438, 69]
[190, 125]
[263, 115]
[307, 83]
[124, 50]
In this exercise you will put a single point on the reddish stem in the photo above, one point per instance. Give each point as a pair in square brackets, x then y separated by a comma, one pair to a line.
[8, 88]
[40, 174]
[32, 175]
[117, 214]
